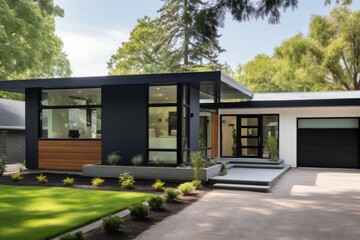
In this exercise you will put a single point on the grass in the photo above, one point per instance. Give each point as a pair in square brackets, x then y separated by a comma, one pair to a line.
[36, 213]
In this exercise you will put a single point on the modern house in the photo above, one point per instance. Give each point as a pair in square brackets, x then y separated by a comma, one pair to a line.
[75, 121]
[12, 130]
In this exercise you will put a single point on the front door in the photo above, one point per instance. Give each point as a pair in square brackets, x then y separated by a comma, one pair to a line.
[249, 142]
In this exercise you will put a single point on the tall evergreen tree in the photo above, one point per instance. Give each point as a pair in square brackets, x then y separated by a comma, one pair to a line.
[193, 45]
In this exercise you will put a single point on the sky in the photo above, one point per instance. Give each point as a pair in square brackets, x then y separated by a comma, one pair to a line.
[92, 30]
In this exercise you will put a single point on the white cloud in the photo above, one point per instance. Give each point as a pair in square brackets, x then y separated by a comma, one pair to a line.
[89, 48]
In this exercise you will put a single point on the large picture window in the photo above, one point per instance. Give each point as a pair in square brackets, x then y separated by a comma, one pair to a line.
[71, 114]
[163, 124]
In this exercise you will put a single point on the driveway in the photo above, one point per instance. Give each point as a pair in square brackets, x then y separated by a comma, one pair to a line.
[305, 204]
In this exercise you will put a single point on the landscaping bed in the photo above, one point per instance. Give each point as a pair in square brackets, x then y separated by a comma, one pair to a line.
[131, 227]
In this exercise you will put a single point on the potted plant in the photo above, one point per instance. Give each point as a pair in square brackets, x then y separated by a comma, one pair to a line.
[272, 147]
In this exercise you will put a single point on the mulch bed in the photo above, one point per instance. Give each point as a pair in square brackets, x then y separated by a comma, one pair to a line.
[131, 227]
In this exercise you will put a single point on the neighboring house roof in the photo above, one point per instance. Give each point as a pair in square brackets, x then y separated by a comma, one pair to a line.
[293, 96]
[12, 114]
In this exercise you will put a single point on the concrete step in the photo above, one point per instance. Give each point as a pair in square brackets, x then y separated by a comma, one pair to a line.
[257, 188]
[254, 161]
[238, 181]
[246, 165]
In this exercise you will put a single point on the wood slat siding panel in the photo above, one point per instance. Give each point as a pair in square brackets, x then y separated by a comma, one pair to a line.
[214, 135]
[68, 155]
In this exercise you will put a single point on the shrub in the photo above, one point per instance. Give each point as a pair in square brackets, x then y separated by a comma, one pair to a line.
[158, 161]
[196, 184]
[112, 224]
[16, 177]
[158, 185]
[113, 158]
[42, 179]
[196, 159]
[155, 202]
[76, 236]
[223, 170]
[20, 167]
[170, 194]
[68, 181]
[97, 182]
[2, 164]
[139, 210]
[137, 160]
[126, 181]
[186, 188]
[127, 184]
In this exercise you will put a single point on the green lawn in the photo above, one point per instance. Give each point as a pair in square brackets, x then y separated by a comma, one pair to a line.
[35, 213]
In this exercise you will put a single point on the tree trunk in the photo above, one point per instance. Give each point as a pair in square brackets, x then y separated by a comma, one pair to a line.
[186, 34]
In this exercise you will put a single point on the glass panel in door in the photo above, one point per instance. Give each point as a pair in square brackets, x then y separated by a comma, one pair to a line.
[250, 137]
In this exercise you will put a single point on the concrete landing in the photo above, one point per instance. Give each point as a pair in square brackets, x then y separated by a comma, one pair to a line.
[249, 178]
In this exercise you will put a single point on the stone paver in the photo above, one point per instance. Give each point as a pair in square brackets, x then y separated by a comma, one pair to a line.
[306, 204]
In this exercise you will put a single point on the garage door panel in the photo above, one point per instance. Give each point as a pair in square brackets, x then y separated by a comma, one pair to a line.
[328, 148]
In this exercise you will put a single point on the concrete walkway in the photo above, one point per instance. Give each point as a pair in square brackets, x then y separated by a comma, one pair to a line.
[306, 204]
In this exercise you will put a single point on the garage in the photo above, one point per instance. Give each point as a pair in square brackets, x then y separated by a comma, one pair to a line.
[328, 142]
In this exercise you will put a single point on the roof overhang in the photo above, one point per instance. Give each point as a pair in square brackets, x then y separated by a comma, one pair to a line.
[212, 83]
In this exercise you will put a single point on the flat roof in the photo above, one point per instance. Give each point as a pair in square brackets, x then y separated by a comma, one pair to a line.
[293, 96]
[213, 83]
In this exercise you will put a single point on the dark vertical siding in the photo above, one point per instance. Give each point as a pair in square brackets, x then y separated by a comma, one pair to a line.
[124, 121]
[194, 119]
[32, 96]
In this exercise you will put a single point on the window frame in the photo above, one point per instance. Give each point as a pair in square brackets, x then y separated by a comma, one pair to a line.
[82, 107]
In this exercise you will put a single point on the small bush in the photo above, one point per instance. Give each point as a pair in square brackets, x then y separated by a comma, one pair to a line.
[20, 167]
[126, 181]
[186, 188]
[68, 181]
[113, 158]
[16, 177]
[158, 185]
[196, 184]
[97, 182]
[155, 202]
[76, 236]
[139, 210]
[112, 224]
[42, 179]
[170, 194]
[137, 160]
[127, 184]
[158, 161]
[223, 170]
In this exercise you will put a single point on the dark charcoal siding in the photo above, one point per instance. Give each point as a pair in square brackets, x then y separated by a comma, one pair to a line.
[32, 127]
[333, 148]
[124, 121]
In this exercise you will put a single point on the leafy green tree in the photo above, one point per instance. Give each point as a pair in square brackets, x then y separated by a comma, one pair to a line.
[258, 74]
[140, 54]
[194, 45]
[331, 51]
[29, 47]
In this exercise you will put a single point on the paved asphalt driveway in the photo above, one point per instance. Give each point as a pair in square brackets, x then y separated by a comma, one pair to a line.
[306, 204]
